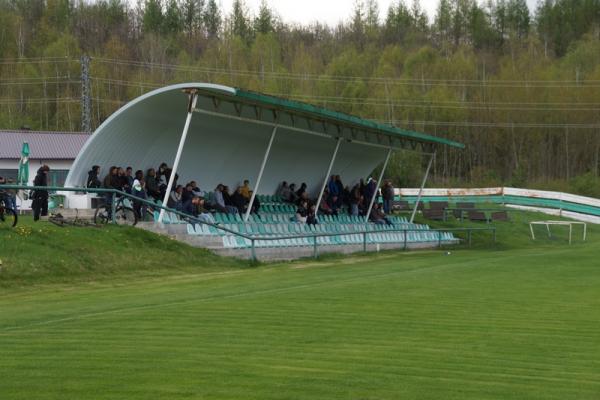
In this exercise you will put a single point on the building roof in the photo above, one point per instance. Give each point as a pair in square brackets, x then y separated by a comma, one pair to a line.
[42, 145]
[320, 113]
[228, 135]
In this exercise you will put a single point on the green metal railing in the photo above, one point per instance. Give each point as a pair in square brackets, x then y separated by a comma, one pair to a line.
[273, 237]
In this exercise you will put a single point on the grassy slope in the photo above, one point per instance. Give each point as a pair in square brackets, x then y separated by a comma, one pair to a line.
[40, 253]
[480, 323]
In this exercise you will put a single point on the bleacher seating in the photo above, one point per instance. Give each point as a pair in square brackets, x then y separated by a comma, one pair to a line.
[277, 219]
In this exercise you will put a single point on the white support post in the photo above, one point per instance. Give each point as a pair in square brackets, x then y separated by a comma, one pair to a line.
[387, 159]
[412, 217]
[260, 174]
[193, 97]
[337, 147]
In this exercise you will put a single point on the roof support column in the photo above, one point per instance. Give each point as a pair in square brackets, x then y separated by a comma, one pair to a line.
[412, 217]
[387, 159]
[260, 174]
[193, 97]
[337, 147]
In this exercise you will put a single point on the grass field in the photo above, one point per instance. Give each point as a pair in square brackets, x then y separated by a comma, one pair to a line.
[520, 320]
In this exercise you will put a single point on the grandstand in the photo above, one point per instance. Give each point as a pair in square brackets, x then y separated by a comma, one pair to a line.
[236, 134]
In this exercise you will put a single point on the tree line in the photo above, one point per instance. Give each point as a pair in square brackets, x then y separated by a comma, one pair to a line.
[520, 87]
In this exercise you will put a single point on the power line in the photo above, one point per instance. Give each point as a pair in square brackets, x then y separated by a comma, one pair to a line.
[378, 80]
[48, 82]
[375, 102]
[39, 61]
[40, 100]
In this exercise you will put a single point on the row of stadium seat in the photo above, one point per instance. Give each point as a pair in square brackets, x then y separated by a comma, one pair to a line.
[237, 242]
[294, 228]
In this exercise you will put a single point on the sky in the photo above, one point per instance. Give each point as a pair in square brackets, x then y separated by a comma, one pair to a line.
[328, 11]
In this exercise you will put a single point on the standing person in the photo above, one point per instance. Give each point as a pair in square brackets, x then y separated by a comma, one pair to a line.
[40, 196]
[388, 197]
[152, 185]
[93, 181]
[138, 189]
[130, 179]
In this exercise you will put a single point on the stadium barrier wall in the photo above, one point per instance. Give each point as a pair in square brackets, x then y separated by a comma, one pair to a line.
[569, 205]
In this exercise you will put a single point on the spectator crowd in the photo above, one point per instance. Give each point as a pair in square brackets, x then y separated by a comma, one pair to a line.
[337, 198]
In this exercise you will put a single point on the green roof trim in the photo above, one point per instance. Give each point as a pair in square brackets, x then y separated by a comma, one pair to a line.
[296, 106]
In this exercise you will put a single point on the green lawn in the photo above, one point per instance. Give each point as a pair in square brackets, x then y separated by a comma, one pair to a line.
[519, 320]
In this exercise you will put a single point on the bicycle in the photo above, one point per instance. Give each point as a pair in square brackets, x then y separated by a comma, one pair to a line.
[7, 215]
[124, 214]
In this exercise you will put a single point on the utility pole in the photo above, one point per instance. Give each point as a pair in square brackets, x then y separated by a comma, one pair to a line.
[86, 95]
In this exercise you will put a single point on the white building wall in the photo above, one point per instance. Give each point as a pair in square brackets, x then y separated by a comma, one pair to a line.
[34, 165]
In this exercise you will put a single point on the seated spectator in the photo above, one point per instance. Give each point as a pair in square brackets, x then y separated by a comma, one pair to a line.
[324, 207]
[283, 191]
[188, 193]
[301, 191]
[255, 206]
[378, 217]
[197, 191]
[92, 180]
[195, 207]
[302, 212]
[303, 197]
[227, 196]
[293, 197]
[219, 201]
[175, 198]
[311, 218]
[246, 191]
[239, 201]
[332, 202]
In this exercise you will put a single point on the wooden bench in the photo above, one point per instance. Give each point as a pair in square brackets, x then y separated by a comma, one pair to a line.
[500, 216]
[434, 214]
[461, 207]
[438, 205]
[477, 216]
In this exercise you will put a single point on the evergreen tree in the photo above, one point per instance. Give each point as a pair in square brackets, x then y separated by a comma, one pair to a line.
[240, 22]
[172, 22]
[212, 19]
[152, 19]
[192, 16]
[265, 21]
[517, 18]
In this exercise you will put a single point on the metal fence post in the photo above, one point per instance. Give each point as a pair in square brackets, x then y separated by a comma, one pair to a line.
[253, 250]
[365, 241]
[439, 238]
[405, 240]
[315, 251]
[113, 208]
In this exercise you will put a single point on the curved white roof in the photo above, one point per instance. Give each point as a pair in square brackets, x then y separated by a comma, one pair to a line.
[228, 137]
